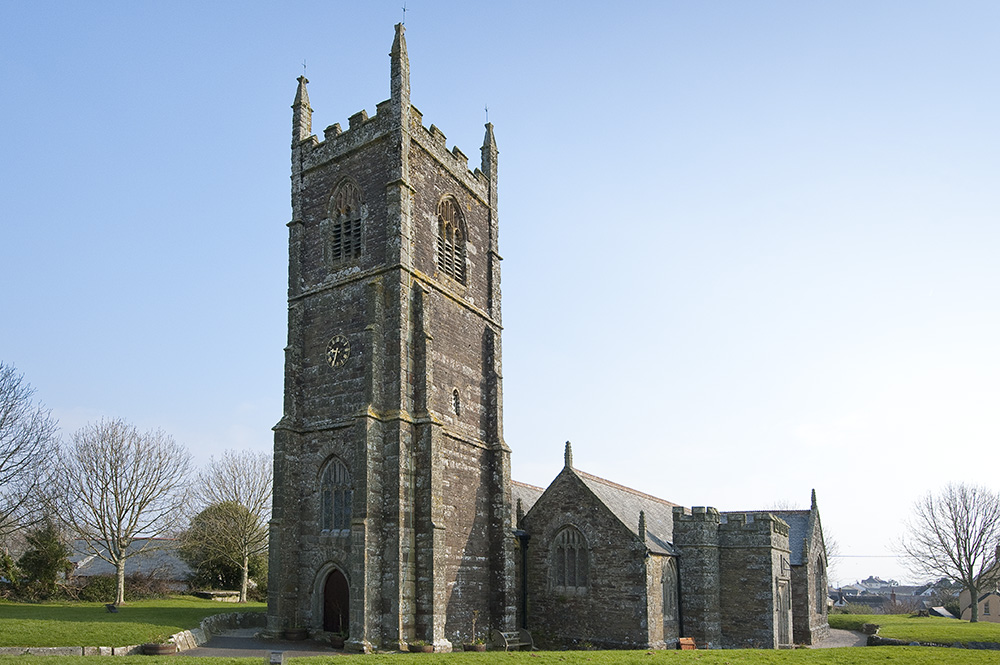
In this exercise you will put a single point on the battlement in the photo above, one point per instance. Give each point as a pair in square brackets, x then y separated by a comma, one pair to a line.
[362, 129]
[753, 522]
[697, 514]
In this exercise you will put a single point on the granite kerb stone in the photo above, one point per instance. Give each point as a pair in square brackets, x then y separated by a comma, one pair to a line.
[186, 639]
[876, 641]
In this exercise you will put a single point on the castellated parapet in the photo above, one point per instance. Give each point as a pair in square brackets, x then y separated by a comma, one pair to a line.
[726, 559]
[754, 562]
[363, 130]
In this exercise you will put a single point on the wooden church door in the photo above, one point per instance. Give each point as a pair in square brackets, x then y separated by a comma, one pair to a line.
[336, 603]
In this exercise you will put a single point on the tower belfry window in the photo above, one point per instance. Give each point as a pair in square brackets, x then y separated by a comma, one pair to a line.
[344, 237]
[451, 240]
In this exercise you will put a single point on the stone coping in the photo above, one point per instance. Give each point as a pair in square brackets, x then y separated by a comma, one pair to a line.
[186, 639]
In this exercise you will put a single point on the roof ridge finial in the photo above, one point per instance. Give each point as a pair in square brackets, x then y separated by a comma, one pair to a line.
[642, 525]
[568, 455]
[813, 499]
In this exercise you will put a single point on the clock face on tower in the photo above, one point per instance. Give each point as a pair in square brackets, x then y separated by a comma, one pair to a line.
[338, 351]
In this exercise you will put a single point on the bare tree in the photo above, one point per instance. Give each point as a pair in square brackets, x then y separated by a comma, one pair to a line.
[234, 493]
[121, 484]
[955, 534]
[27, 442]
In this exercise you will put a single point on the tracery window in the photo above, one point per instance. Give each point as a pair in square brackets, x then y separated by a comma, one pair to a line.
[669, 581]
[570, 560]
[335, 497]
[451, 240]
[344, 236]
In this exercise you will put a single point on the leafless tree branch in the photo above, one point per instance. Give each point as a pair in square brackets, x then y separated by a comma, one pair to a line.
[121, 484]
[955, 534]
[234, 494]
[27, 443]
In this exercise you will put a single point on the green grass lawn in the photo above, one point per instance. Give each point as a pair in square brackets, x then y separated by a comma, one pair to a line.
[846, 656]
[922, 629]
[89, 625]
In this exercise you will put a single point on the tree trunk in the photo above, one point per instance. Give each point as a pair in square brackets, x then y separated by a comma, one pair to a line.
[974, 600]
[244, 577]
[120, 570]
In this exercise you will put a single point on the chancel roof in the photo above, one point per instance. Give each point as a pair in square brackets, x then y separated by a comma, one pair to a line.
[626, 504]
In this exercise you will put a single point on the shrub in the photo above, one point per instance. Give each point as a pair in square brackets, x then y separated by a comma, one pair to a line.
[43, 563]
[104, 588]
[100, 589]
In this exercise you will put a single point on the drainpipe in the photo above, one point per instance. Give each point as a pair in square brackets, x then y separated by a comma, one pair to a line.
[523, 538]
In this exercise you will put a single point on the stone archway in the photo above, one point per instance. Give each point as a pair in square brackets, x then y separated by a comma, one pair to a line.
[336, 603]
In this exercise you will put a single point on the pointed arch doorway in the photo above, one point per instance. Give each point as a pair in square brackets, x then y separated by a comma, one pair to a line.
[336, 603]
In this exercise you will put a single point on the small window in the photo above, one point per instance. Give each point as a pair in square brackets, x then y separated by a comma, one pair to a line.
[451, 240]
[669, 580]
[820, 584]
[986, 607]
[456, 402]
[335, 496]
[343, 241]
[570, 562]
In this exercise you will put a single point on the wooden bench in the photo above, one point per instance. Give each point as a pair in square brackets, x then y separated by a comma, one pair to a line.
[514, 639]
[686, 643]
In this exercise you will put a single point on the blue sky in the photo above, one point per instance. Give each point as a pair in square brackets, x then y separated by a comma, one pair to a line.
[750, 247]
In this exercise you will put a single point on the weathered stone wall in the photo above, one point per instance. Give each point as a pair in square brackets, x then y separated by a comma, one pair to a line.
[754, 564]
[696, 535]
[809, 583]
[611, 611]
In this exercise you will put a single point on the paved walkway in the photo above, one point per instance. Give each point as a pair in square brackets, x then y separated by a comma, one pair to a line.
[242, 644]
[842, 638]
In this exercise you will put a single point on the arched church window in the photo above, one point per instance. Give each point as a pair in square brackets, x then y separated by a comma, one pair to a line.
[335, 496]
[451, 240]
[344, 237]
[820, 586]
[570, 560]
[456, 402]
[669, 580]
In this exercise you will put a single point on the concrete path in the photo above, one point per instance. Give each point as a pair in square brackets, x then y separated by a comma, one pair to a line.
[842, 638]
[242, 644]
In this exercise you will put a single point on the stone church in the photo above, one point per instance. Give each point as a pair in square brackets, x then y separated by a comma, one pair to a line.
[395, 516]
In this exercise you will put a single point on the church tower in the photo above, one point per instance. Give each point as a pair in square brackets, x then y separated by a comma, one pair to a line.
[392, 515]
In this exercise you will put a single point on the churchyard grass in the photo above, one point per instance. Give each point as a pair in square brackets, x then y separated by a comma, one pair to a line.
[89, 624]
[843, 656]
[921, 629]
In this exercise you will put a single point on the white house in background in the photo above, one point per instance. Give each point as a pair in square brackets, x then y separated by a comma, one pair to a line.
[989, 605]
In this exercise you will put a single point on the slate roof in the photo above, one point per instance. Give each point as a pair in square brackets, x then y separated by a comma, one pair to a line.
[798, 531]
[527, 494]
[625, 503]
[160, 559]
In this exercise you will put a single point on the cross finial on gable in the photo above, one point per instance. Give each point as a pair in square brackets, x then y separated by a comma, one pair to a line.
[568, 455]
